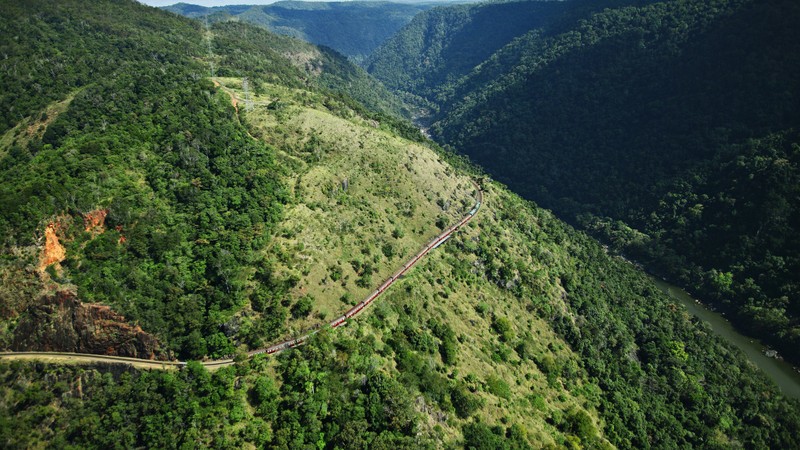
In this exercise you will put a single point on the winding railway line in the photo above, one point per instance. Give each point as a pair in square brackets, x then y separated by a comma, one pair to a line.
[275, 348]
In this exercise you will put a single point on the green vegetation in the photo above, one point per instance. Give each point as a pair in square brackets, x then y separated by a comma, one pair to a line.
[230, 227]
[667, 128]
[634, 380]
[354, 29]
[309, 401]
[140, 131]
[237, 49]
[441, 45]
[364, 200]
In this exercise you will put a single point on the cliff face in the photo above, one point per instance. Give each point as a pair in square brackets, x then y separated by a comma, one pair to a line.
[60, 322]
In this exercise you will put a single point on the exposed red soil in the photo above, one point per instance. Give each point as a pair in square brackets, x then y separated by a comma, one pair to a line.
[234, 101]
[53, 252]
[94, 221]
[122, 238]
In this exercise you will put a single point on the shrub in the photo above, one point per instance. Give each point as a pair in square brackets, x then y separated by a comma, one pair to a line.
[302, 307]
[498, 387]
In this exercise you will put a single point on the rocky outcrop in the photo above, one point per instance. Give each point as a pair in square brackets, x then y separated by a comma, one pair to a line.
[61, 323]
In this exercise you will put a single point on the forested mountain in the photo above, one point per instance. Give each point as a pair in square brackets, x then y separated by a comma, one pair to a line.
[667, 128]
[120, 118]
[354, 29]
[441, 45]
[429, 55]
[169, 190]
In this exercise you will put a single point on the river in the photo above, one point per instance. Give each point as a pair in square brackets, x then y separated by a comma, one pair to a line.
[783, 374]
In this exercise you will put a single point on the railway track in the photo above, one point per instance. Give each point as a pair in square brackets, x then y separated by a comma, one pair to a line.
[353, 312]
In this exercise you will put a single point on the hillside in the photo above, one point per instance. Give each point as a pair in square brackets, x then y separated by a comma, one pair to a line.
[354, 29]
[216, 216]
[134, 145]
[443, 44]
[667, 129]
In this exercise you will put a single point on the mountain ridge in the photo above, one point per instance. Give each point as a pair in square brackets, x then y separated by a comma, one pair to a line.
[228, 227]
[351, 28]
[629, 113]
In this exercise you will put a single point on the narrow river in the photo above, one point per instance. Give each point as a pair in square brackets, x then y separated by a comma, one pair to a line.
[787, 379]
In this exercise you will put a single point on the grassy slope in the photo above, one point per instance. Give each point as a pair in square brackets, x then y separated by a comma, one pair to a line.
[395, 184]
[391, 198]
[140, 109]
[470, 304]
[240, 49]
[33, 128]
[515, 263]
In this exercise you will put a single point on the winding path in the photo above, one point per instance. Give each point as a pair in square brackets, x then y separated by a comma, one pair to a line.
[65, 357]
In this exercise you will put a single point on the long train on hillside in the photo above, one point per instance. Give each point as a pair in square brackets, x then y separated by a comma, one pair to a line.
[339, 321]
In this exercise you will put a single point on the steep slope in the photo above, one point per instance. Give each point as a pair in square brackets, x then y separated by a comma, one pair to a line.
[519, 322]
[134, 127]
[219, 228]
[517, 333]
[668, 129]
[237, 48]
[443, 44]
[354, 29]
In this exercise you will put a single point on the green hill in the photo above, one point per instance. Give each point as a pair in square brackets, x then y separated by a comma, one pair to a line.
[666, 128]
[354, 29]
[122, 118]
[217, 216]
[441, 45]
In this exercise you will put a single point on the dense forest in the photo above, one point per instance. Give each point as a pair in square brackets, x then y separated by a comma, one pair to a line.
[223, 187]
[441, 45]
[147, 138]
[354, 29]
[665, 128]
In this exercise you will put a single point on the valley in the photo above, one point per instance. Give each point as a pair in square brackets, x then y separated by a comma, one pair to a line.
[783, 374]
[354, 29]
[259, 213]
[650, 125]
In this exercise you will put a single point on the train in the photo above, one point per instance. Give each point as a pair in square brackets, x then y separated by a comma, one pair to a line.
[341, 320]
[475, 209]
